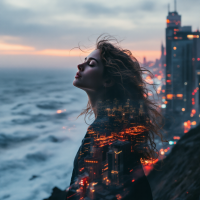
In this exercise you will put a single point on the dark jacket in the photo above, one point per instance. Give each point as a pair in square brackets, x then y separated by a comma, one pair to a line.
[113, 160]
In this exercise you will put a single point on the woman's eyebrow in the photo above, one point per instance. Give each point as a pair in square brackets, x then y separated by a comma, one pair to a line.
[92, 59]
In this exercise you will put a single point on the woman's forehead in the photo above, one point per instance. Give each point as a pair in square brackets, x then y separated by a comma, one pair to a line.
[95, 54]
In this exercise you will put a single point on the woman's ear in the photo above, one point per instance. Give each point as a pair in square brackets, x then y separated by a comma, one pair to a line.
[108, 82]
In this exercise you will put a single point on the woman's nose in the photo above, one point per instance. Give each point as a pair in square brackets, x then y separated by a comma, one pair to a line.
[81, 67]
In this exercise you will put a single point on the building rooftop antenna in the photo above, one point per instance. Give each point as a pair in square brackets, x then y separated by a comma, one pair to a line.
[175, 5]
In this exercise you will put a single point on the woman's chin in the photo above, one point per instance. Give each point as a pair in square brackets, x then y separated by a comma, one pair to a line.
[76, 83]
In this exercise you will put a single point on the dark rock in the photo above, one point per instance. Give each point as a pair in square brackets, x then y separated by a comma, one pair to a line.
[177, 176]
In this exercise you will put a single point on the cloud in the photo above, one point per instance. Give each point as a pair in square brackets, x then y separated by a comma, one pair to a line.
[148, 6]
[53, 27]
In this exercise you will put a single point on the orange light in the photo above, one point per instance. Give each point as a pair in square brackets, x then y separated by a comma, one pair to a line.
[168, 81]
[59, 111]
[185, 123]
[193, 111]
[174, 48]
[183, 109]
[133, 180]
[168, 21]
[170, 96]
[163, 91]
[168, 75]
[165, 102]
[180, 95]
[192, 36]
[176, 138]
[194, 123]
[162, 152]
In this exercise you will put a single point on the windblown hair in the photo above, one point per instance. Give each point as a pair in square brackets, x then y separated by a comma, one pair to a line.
[124, 69]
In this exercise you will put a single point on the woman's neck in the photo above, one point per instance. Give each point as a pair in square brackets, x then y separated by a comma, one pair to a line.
[94, 99]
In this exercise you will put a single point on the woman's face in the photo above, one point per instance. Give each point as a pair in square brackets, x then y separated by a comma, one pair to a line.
[90, 73]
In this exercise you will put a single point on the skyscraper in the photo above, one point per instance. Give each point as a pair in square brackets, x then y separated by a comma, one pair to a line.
[182, 49]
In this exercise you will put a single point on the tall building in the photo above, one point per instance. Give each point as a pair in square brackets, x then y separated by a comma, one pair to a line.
[118, 161]
[182, 51]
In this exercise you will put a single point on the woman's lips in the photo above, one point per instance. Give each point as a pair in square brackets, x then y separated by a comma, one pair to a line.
[77, 75]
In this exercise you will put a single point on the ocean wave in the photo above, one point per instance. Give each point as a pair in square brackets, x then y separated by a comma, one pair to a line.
[10, 140]
[54, 139]
[38, 118]
[50, 105]
[37, 157]
[11, 165]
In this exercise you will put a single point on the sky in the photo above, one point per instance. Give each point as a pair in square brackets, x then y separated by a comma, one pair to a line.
[44, 33]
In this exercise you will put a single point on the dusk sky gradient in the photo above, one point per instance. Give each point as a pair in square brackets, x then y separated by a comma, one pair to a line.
[40, 33]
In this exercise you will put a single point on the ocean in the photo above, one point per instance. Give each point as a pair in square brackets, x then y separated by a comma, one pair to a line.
[39, 133]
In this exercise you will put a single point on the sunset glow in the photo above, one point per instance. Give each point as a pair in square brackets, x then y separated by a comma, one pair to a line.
[19, 49]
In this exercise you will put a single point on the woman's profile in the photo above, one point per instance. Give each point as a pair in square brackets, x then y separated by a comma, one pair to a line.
[108, 162]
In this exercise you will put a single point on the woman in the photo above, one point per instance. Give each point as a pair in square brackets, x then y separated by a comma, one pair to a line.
[108, 162]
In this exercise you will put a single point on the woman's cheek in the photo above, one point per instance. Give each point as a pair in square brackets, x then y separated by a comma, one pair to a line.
[93, 78]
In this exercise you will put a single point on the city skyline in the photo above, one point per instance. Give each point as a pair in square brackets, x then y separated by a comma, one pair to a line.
[33, 36]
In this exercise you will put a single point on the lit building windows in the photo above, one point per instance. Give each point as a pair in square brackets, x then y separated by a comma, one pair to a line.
[180, 96]
[192, 36]
[170, 96]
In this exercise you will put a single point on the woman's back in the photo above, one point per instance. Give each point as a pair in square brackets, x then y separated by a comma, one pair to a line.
[107, 167]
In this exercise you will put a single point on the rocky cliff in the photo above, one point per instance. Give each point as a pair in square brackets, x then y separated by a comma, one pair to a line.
[177, 177]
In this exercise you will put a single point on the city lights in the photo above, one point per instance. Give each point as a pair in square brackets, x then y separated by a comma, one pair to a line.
[176, 137]
[192, 36]
[163, 106]
[170, 96]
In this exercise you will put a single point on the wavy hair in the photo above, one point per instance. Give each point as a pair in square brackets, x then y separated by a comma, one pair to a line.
[124, 69]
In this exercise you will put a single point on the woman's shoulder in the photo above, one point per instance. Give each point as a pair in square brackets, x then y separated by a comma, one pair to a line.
[100, 125]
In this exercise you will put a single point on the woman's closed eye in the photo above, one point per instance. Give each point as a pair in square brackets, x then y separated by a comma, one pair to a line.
[91, 63]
